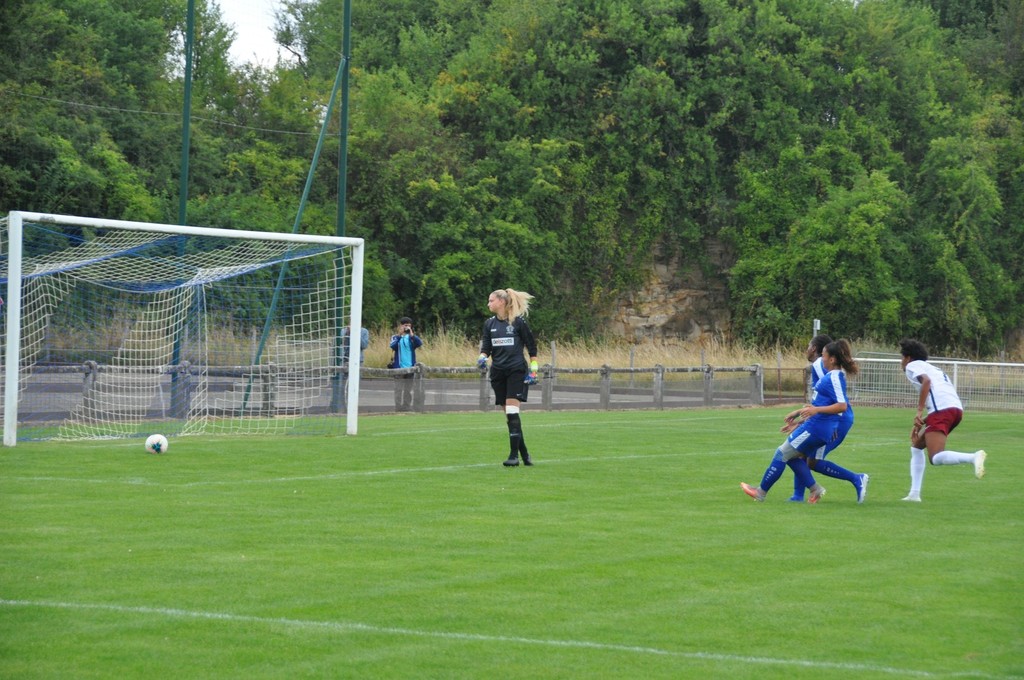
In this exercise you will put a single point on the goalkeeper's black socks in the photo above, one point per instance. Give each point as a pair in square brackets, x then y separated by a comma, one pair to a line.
[522, 450]
[515, 435]
[517, 442]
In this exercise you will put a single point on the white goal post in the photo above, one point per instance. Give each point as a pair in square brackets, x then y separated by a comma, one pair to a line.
[121, 329]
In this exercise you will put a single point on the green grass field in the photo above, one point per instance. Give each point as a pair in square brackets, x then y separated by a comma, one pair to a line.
[408, 551]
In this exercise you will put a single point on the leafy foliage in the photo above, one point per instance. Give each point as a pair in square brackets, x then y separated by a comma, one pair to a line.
[863, 163]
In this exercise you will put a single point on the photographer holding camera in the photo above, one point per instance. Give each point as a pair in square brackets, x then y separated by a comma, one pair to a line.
[404, 344]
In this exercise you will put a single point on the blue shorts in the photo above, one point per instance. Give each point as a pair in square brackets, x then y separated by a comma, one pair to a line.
[841, 432]
[845, 424]
[812, 435]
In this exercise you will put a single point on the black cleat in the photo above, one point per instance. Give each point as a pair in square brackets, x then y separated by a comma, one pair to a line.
[512, 461]
[526, 460]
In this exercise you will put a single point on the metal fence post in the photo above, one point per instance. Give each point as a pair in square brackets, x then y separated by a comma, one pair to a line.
[485, 401]
[659, 386]
[606, 387]
[419, 389]
[547, 387]
[92, 370]
[269, 388]
[89, 379]
[181, 398]
[709, 385]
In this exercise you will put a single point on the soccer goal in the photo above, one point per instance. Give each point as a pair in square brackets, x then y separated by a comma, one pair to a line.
[120, 329]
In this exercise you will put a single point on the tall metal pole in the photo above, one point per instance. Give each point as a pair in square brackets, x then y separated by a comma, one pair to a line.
[186, 136]
[346, 49]
[354, 334]
[186, 115]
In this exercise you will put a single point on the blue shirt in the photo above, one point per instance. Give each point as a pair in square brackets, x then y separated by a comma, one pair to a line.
[817, 373]
[818, 430]
[404, 350]
[831, 389]
[364, 342]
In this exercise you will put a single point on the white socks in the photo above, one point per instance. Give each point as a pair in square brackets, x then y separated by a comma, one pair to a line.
[952, 458]
[917, 466]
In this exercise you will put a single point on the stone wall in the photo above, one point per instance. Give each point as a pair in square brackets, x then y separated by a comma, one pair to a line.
[677, 304]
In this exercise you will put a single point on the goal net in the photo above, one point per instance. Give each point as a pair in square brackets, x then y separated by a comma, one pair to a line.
[121, 329]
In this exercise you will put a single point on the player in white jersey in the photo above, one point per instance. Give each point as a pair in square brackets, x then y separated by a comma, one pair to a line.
[939, 411]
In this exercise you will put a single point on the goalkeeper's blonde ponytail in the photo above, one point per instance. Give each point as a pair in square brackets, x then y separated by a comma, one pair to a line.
[517, 303]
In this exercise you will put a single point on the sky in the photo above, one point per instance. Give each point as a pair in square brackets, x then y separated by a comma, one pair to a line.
[253, 21]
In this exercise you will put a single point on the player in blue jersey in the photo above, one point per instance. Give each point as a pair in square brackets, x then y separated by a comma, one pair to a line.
[506, 336]
[817, 372]
[820, 422]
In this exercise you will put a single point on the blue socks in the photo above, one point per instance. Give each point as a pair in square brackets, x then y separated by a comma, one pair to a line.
[802, 472]
[798, 487]
[774, 471]
[830, 469]
[804, 478]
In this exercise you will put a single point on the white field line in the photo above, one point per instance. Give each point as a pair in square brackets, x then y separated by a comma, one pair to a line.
[356, 627]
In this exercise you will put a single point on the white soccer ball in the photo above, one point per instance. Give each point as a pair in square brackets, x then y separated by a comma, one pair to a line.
[156, 443]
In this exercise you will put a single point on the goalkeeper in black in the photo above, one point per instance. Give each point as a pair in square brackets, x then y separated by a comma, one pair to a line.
[506, 336]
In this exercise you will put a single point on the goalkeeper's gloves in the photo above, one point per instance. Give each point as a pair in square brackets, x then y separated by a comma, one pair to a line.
[531, 377]
[482, 361]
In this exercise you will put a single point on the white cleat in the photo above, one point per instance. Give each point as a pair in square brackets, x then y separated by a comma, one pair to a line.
[862, 489]
[913, 498]
[979, 463]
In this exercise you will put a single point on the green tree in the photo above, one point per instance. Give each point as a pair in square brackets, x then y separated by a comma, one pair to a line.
[870, 149]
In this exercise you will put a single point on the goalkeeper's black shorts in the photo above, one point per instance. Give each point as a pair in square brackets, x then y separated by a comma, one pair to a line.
[507, 383]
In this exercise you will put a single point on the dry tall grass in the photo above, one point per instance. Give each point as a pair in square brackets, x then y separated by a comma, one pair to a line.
[443, 348]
